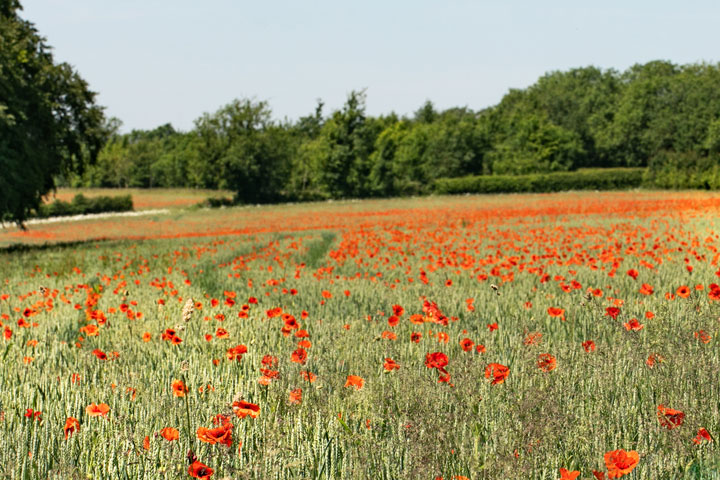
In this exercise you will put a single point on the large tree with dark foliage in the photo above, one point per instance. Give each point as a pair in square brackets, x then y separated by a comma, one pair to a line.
[49, 123]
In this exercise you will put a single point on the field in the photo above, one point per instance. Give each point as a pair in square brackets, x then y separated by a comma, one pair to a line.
[479, 337]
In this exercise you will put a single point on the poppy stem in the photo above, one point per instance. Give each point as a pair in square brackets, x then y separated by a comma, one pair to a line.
[187, 414]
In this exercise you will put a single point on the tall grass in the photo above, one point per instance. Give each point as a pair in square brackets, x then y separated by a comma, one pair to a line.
[400, 424]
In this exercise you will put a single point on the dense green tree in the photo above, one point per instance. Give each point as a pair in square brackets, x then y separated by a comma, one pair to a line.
[426, 113]
[305, 132]
[345, 143]
[535, 145]
[49, 123]
[245, 151]
[583, 101]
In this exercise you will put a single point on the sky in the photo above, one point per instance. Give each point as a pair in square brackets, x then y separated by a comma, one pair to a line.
[169, 61]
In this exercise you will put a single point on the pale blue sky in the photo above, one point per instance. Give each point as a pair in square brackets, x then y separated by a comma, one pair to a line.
[159, 61]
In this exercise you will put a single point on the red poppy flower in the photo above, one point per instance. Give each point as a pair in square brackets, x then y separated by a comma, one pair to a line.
[498, 371]
[308, 376]
[170, 433]
[236, 352]
[714, 292]
[200, 470]
[568, 475]
[436, 360]
[354, 381]
[633, 325]
[179, 388]
[646, 289]
[620, 462]
[589, 346]
[546, 362]
[633, 273]
[702, 435]
[30, 413]
[389, 335]
[492, 326]
[295, 397]
[654, 358]
[683, 291]
[612, 312]
[703, 336]
[269, 360]
[556, 312]
[415, 337]
[398, 311]
[221, 435]
[72, 425]
[94, 410]
[99, 354]
[390, 365]
[467, 345]
[243, 409]
[299, 356]
[90, 330]
[669, 418]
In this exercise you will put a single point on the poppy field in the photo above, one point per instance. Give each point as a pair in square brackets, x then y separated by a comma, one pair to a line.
[563, 336]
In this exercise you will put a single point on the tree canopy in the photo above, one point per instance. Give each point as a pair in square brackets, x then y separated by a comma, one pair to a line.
[658, 116]
[49, 122]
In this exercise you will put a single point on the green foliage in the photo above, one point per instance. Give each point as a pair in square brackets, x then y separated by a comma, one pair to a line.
[586, 179]
[536, 145]
[81, 205]
[244, 151]
[409, 155]
[673, 170]
[49, 123]
[217, 202]
[657, 115]
[341, 157]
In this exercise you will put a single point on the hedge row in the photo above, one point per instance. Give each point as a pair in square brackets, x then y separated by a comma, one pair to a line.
[584, 179]
[81, 205]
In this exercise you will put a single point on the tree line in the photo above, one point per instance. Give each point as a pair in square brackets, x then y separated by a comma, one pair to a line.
[658, 115]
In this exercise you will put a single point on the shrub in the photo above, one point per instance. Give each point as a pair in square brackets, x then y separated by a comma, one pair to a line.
[584, 179]
[217, 202]
[81, 205]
